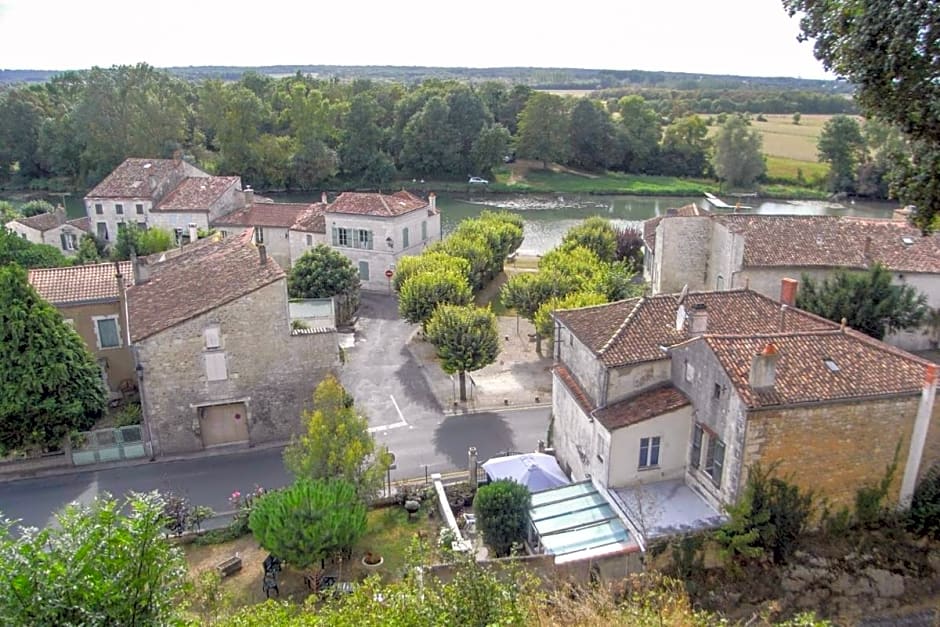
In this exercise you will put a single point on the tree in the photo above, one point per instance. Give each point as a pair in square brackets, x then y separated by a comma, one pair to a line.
[431, 144]
[336, 443]
[36, 207]
[15, 249]
[686, 147]
[545, 324]
[326, 273]
[502, 509]
[525, 292]
[103, 564]
[142, 242]
[423, 292]
[309, 521]
[543, 129]
[429, 260]
[90, 249]
[597, 235]
[593, 138]
[7, 212]
[640, 132]
[738, 159]
[49, 382]
[489, 148]
[890, 51]
[630, 245]
[841, 146]
[466, 338]
[867, 300]
[797, 116]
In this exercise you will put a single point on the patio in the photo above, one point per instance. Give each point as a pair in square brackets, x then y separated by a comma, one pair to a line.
[666, 508]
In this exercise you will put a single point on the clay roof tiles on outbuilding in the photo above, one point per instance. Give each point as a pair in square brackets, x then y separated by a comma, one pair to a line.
[75, 285]
[131, 179]
[642, 406]
[375, 204]
[196, 193]
[273, 215]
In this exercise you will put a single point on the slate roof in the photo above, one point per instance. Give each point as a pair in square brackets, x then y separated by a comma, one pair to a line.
[632, 331]
[380, 205]
[206, 275]
[130, 179]
[864, 367]
[196, 193]
[283, 215]
[833, 241]
[649, 226]
[647, 404]
[75, 285]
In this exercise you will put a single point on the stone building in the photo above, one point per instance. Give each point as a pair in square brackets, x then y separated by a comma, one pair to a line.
[702, 250]
[54, 229]
[90, 298]
[218, 361]
[667, 401]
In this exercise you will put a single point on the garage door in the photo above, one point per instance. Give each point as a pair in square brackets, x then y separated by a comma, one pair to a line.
[224, 424]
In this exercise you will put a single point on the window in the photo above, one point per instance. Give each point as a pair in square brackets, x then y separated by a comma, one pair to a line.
[99, 209]
[715, 459]
[689, 372]
[424, 230]
[717, 393]
[649, 452]
[142, 226]
[363, 239]
[215, 366]
[213, 337]
[139, 207]
[309, 239]
[121, 226]
[68, 241]
[106, 328]
[340, 237]
[259, 235]
[697, 435]
[601, 449]
[119, 208]
[720, 283]
[102, 229]
[363, 270]
[404, 237]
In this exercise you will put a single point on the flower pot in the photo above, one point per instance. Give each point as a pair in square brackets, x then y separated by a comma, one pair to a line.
[371, 557]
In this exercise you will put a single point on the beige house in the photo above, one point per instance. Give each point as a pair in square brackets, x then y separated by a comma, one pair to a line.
[667, 401]
[54, 229]
[701, 250]
[219, 363]
[90, 298]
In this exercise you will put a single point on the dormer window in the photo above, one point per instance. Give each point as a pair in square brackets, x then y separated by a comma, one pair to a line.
[907, 241]
[831, 364]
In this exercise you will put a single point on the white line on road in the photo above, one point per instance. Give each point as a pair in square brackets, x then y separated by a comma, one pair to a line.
[395, 425]
[401, 417]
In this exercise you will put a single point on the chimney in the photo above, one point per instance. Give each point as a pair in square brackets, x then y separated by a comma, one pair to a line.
[262, 254]
[323, 198]
[788, 291]
[249, 196]
[866, 254]
[193, 232]
[139, 266]
[432, 202]
[472, 467]
[59, 213]
[699, 319]
[763, 373]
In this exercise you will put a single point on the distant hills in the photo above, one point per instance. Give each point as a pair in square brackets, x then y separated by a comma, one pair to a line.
[538, 78]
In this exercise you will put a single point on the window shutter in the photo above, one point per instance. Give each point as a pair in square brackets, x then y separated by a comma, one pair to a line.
[212, 337]
[215, 367]
[62, 239]
[335, 237]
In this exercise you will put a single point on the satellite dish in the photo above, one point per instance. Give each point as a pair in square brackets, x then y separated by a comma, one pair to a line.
[683, 293]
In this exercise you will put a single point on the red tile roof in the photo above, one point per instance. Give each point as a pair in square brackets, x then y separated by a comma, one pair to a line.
[312, 220]
[834, 241]
[649, 226]
[642, 406]
[211, 273]
[83, 224]
[574, 387]
[283, 215]
[131, 178]
[863, 367]
[44, 221]
[381, 205]
[632, 331]
[196, 193]
[74, 285]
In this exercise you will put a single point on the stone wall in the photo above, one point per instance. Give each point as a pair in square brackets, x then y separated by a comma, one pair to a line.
[573, 430]
[683, 247]
[629, 380]
[581, 362]
[298, 243]
[271, 371]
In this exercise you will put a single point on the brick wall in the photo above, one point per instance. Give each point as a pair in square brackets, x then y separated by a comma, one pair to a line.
[834, 449]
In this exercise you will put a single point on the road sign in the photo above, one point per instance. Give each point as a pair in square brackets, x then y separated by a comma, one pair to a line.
[388, 274]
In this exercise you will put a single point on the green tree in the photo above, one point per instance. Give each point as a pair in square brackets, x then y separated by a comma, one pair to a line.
[50, 382]
[738, 158]
[890, 51]
[466, 338]
[7, 212]
[686, 148]
[141, 241]
[545, 324]
[543, 129]
[797, 117]
[467, 117]
[640, 130]
[593, 137]
[489, 148]
[336, 443]
[15, 249]
[595, 234]
[89, 250]
[309, 521]
[430, 260]
[525, 293]
[502, 509]
[102, 564]
[326, 273]
[431, 145]
[841, 146]
[867, 300]
[36, 207]
[422, 293]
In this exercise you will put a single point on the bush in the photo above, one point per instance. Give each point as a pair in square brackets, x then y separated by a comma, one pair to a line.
[502, 507]
[924, 515]
[128, 415]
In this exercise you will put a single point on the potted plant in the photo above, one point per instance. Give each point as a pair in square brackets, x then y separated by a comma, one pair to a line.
[372, 560]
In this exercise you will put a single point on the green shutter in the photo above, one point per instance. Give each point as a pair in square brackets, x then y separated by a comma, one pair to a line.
[335, 237]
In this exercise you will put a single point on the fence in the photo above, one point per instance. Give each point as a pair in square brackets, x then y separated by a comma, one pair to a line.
[108, 445]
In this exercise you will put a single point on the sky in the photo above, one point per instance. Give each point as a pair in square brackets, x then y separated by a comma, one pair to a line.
[742, 37]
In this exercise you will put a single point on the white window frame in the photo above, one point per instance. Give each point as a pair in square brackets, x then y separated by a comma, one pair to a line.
[98, 230]
[362, 238]
[714, 459]
[649, 446]
[117, 326]
[259, 235]
[212, 336]
[216, 367]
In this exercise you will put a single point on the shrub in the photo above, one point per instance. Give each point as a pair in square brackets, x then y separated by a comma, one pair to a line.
[502, 507]
[924, 515]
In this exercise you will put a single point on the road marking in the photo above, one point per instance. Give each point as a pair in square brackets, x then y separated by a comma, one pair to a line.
[401, 417]
[395, 425]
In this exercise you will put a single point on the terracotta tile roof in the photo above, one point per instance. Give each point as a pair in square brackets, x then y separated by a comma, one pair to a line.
[832, 241]
[311, 220]
[196, 193]
[283, 215]
[863, 367]
[74, 285]
[381, 205]
[642, 406]
[131, 178]
[211, 273]
[44, 221]
[633, 331]
[83, 224]
[574, 387]
[649, 226]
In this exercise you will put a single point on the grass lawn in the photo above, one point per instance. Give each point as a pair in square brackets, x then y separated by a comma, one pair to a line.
[529, 177]
[784, 168]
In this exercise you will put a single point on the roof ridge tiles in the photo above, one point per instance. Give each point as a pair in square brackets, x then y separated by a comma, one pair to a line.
[623, 325]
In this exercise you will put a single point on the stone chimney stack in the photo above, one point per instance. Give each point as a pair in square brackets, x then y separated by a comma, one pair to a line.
[472, 467]
[193, 232]
[323, 198]
[262, 254]
[699, 319]
[249, 196]
[763, 375]
[788, 289]
[432, 202]
[139, 266]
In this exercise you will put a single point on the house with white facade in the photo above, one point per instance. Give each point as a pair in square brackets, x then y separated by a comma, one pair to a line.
[720, 251]
[169, 193]
[374, 230]
[53, 228]
[667, 401]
